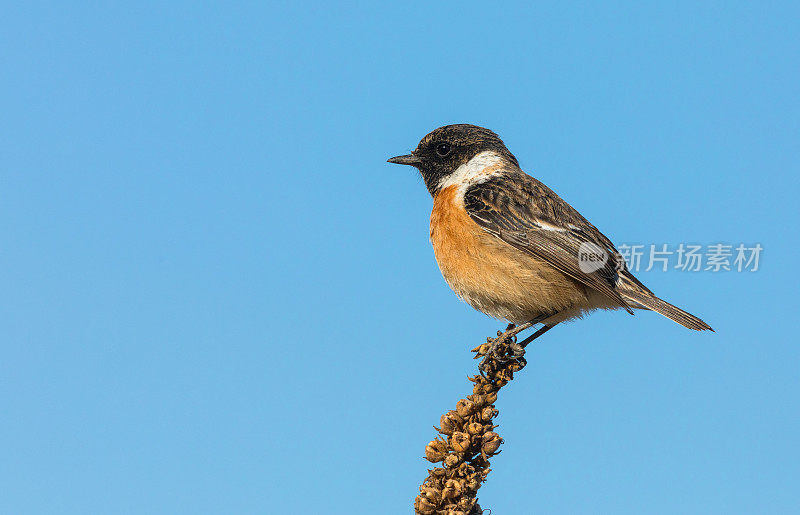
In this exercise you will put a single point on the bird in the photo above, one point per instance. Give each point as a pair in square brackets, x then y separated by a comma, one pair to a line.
[511, 247]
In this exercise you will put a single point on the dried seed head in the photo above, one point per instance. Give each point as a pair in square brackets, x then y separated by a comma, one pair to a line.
[506, 374]
[481, 388]
[424, 506]
[475, 428]
[465, 504]
[452, 488]
[465, 469]
[453, 509]
[488, 413]
[465, 408]
[451, 460]
[459, 442]
[450, 422]
[435, 451]
[437, 474]
[430, 493]
[490, 443]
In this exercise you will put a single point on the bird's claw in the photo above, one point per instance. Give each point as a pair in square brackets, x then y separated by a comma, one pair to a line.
[493, 353]
[517, 350]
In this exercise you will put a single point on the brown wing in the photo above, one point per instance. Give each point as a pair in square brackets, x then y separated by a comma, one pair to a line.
[528, 215]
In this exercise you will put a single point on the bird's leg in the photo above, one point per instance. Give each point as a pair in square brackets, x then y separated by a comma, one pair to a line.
[519, 348]
[510, 337]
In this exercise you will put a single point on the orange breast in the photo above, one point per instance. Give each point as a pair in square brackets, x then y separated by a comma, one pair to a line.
[491, 275]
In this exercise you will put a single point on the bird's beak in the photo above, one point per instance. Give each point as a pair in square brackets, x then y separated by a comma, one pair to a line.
[408, 159]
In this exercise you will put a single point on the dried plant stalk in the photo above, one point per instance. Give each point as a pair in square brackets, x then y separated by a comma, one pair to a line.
[467, 436]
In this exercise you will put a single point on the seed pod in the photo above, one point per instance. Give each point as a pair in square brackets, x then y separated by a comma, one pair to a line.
[478, 399]
[459, 442]
[490, 443]
[465, 504]
[452, 489]
[482, 388]
[465, 469]
[491, 397]
[475, 428]
[451, 460]
[435, 451]
[450, 422]
[488, 413]
[430, 493]
[424, 506]
[465, 408]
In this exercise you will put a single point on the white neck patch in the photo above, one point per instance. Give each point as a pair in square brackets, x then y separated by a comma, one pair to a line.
[474, 171]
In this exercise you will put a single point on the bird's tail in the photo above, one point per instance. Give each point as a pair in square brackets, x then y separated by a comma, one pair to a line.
[647, 300]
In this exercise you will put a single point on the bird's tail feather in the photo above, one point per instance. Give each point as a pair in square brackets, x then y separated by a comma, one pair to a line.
[649, 301]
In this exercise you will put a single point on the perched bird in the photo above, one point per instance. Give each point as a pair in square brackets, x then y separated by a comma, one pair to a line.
[512, 248]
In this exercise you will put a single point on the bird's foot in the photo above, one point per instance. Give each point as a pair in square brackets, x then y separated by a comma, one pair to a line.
[503, 348]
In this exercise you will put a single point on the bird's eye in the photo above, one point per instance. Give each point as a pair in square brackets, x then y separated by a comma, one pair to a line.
[443, 149]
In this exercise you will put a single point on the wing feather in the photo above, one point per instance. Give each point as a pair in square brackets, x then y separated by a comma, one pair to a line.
[528, 215]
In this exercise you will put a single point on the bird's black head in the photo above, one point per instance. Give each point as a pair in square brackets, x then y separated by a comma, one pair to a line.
[445, 149]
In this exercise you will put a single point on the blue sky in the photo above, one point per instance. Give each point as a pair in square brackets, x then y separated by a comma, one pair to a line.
[217, 297]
